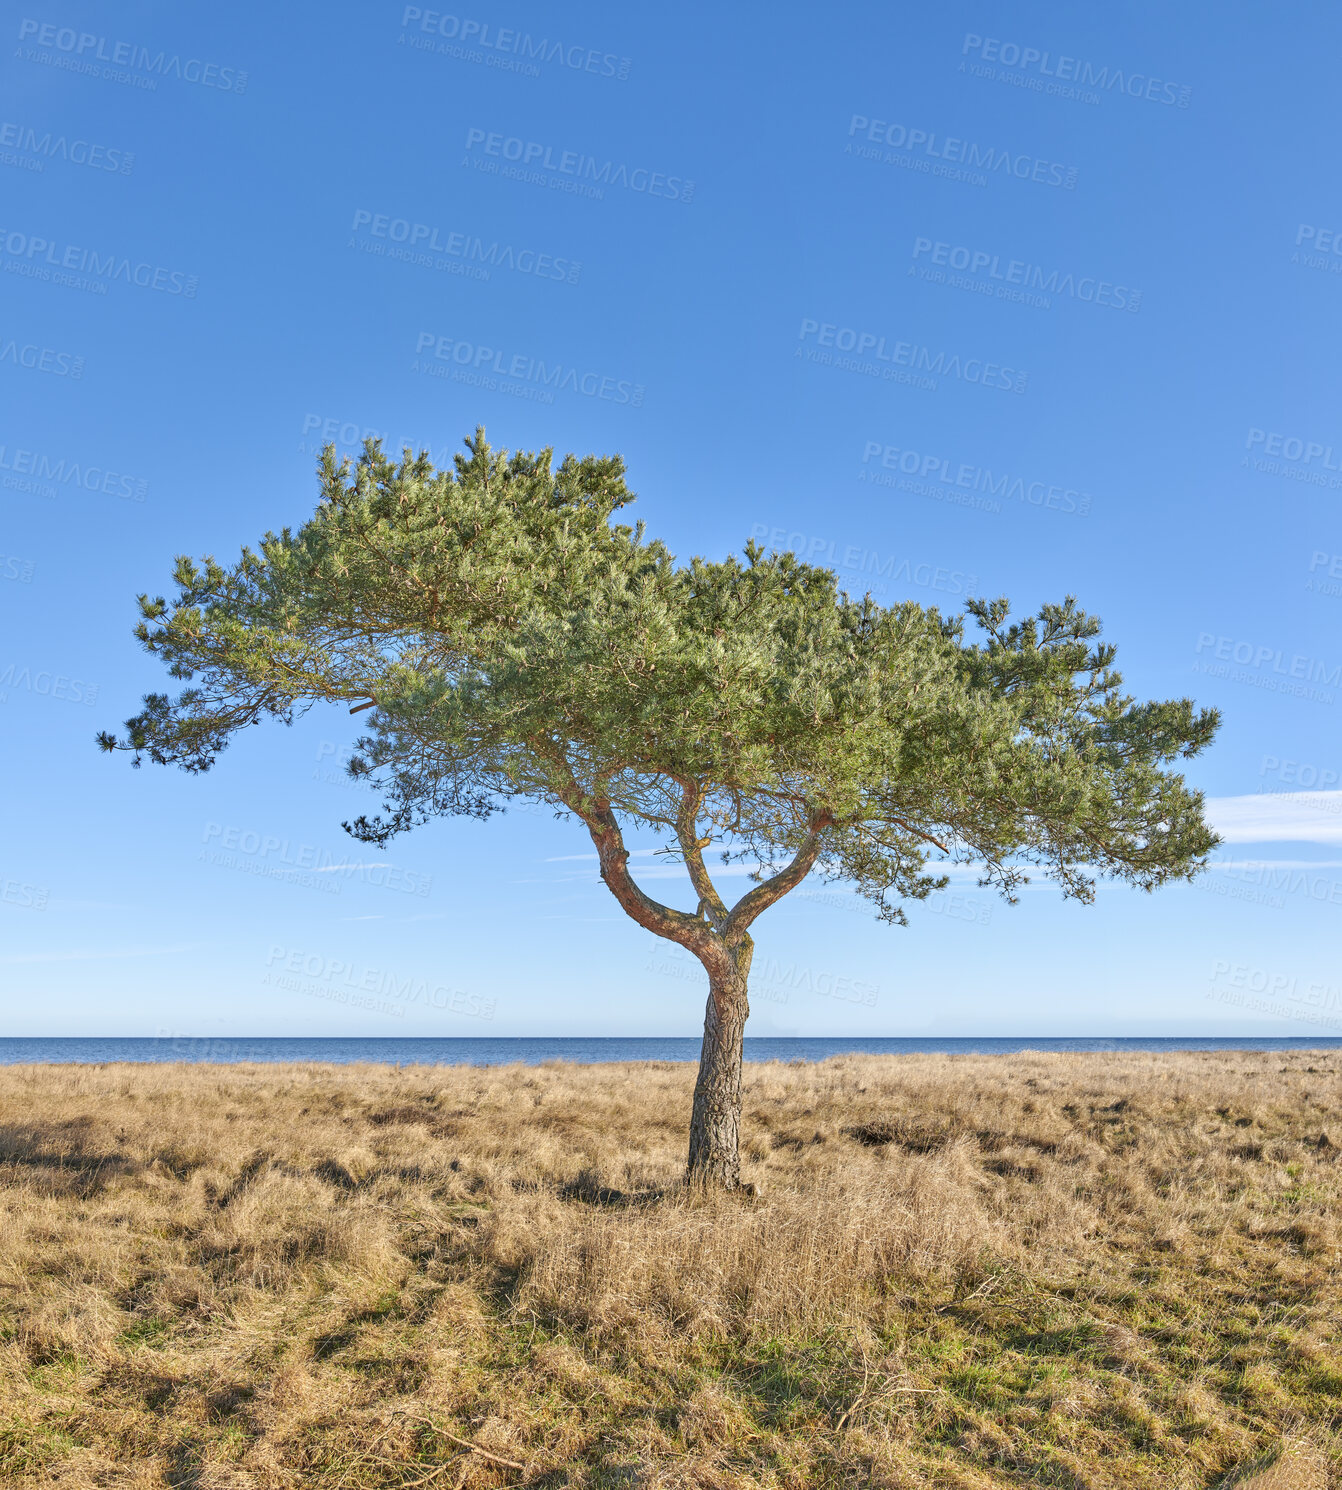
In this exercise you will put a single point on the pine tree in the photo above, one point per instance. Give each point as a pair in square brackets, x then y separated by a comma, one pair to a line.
[510, 638]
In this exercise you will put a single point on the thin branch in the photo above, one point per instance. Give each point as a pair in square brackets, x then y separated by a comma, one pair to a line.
[687, 832]
[483, 1453]
[917, 833]
[465, 1443]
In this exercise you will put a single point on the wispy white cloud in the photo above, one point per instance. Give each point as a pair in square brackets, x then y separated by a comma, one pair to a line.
[677, 871]
[1278, 817]
[592, 858]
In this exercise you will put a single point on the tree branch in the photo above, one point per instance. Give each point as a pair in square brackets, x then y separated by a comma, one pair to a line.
[750, 906]
[687, 832]
[652, 915]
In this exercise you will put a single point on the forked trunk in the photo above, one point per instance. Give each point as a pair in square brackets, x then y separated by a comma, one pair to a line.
[715, 1124]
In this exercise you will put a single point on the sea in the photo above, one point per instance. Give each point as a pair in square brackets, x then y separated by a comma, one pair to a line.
[586, 1050]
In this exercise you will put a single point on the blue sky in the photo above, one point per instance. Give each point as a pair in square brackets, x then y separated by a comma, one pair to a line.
[1027, 302]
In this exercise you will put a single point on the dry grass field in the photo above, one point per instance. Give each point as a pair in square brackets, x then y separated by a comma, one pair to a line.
[1042, 1270]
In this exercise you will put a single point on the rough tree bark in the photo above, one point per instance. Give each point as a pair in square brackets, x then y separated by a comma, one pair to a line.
[715, 1121]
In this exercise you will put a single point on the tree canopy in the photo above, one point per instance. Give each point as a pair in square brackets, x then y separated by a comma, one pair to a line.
[510, 637]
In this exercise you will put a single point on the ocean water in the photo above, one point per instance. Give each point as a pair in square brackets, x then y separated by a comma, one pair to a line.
[533, 1051]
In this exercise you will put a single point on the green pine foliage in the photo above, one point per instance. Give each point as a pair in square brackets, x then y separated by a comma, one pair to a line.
[510, 637]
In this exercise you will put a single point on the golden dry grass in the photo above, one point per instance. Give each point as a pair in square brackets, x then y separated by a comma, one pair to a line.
[1042, 1270]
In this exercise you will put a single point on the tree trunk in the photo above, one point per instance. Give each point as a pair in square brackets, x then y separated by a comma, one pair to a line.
[715, 1124]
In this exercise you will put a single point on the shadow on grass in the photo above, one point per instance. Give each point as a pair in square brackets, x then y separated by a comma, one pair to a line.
[55, 1162]
[588, 1189]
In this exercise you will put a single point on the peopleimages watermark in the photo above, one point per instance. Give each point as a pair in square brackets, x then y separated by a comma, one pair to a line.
[350, 983]
[1042, 72]
[795, 977]
[46, 684]
[1264, 666]
[328, 777]
[986, 273]
[1279, 993]
[125, 62]
[37, 358]
[867, 561]
[951, 904]
[1322, 584]
[202, 1047]
[1250, 894]
[30, 149]
[1318, 248]
[1236, 998]
[27, 897]
[86, 268]
[668, 960]
[503, 47]
[963, 483]
[948, 156]
[453, 251]
[1271, 453]
[868, 353]
[552, 166]
[41, 475]
[771, 981]
[1269, 881]
[273, 857]
[520, 374]
[1294, 774]
[321, 430]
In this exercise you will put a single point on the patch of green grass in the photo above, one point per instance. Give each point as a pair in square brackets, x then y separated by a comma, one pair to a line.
[146, 1332]
[60, 1373]
[29, 1448]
